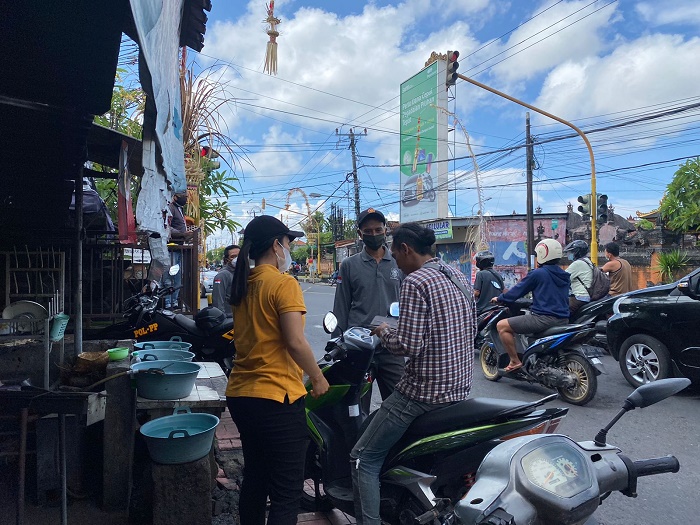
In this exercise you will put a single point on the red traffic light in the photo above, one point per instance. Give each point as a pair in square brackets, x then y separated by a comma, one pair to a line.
[451, 68]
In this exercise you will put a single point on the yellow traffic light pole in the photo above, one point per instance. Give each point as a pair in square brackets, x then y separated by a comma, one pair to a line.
[594, 196]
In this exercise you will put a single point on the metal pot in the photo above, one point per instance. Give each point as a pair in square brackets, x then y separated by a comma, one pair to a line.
[165, 379]
[180, 438]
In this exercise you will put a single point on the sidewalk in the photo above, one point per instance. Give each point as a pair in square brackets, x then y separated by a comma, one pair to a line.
[228, 438]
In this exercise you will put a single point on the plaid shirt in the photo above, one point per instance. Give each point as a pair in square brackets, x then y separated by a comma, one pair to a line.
[436, 330]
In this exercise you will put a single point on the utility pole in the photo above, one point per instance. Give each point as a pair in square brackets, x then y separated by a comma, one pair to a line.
[529, 159]
[352, 136]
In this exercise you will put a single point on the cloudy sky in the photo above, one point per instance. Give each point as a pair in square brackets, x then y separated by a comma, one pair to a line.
[601, 63]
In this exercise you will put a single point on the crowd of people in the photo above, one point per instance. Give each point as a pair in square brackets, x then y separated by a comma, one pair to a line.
[423, 363]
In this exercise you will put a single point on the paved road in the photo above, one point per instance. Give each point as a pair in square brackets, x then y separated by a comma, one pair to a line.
[670, 427]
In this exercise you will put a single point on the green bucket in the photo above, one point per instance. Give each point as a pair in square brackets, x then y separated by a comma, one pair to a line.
[58, 326]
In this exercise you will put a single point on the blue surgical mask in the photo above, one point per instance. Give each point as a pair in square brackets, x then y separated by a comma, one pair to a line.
[571, 256]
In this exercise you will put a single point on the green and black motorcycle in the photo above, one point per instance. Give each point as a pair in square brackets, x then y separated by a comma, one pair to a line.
[436, 459]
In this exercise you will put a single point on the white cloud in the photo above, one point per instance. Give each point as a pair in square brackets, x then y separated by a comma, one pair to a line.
[651, 70]
[669, 12]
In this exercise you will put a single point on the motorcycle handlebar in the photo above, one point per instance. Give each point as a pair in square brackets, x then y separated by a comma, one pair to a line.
[649, 467]
[334, 354]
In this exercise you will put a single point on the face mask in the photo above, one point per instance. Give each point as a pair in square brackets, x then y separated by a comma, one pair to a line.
[180, 200]
[232, 262]
[374, 242]
[571, 256]
[286, 262]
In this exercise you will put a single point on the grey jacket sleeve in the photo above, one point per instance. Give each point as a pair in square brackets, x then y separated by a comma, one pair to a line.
[343, 299]
[218, 295]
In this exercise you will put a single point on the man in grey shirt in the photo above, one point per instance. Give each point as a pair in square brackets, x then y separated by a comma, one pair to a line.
[221, 291]
[370, 282]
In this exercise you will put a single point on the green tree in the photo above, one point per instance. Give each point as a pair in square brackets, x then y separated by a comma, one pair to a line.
[680, 207]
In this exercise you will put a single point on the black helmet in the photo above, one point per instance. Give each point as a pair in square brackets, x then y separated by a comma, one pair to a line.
[484, 260]
[577, 248]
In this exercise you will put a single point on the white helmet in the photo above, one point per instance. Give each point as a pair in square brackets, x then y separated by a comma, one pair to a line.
[548, 250]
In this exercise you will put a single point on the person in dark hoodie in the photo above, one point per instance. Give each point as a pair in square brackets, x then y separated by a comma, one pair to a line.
[221, 291]
[549, 285]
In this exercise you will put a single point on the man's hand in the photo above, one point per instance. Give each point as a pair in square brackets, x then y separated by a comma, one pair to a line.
[379, 329]
[494, 300]
[319, 385]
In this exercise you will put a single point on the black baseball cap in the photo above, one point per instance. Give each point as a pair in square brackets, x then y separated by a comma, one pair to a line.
[266, 227]
[370, 213]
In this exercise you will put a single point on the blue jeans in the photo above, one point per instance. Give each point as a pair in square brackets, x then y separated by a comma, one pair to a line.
[394, 416]
[173, 280]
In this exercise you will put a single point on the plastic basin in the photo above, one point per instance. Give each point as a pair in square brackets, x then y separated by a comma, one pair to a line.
[161, 345]
[180, 438]
[117, 354]
[165, 379]
[163, 354]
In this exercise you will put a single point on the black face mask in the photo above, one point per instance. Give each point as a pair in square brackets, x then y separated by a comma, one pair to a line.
[374, 242]
[181, 201]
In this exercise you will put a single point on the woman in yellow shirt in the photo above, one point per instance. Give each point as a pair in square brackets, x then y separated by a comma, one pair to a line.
[265, 392]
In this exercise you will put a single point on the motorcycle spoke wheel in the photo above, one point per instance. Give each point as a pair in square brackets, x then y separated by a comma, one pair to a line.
[586, 382]
[488, 358]
[313, 498]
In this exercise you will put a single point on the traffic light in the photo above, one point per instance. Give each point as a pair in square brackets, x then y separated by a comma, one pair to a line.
[209, 153]
[452, 66]
[585, 207]
[602, 209]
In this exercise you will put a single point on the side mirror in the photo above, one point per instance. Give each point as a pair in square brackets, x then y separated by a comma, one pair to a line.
[394, 309]
[174, 269]
[656, 391]
[690, 287]
[330, 322]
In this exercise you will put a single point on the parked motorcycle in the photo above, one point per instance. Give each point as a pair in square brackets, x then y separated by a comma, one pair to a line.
[551, 479]
[436, 458]
[553, 358]
[210, 332]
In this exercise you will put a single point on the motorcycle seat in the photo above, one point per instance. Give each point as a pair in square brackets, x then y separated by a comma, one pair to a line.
[462, 414]
[189, 325]
[565, 329]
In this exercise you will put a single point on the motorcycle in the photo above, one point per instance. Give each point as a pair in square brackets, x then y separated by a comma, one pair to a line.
[551, 479]
[553, 358]
[439, 454]
[596, 312]
[210, 332]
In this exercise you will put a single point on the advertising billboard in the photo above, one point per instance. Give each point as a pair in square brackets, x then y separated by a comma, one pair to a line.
[423, 150]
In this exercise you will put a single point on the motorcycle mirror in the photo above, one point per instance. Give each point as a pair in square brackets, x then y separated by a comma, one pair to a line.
[330, 322]
[174, 269]
[654, 392]
[394, 309]
[644, 396]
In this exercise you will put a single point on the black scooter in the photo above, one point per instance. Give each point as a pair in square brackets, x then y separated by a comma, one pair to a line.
[553, 358]
[210, 332]
[436, 459]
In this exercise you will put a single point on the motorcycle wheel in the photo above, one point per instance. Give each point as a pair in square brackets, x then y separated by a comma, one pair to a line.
[314, 499]
[488, 357]
[586, 380]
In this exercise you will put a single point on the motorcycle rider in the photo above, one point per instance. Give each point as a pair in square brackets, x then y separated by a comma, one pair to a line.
[221, 291]
[549, 285]
[436, 329]
[487, 283]
[581, 272]
[618, 269]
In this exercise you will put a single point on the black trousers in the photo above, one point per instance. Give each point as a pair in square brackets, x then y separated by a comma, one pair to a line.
[274, 439]
[386, 370]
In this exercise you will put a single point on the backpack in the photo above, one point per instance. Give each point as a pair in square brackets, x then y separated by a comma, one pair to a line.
[600, 283]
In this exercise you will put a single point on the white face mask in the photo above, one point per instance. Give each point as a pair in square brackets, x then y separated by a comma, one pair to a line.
[286, 262]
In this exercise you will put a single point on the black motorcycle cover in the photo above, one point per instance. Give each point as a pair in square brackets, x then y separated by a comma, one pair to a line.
[209, 317]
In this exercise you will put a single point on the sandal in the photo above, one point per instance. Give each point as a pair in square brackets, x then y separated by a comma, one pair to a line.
[510, 368]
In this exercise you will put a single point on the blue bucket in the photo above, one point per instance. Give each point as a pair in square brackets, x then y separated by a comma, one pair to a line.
[162, 354]
[162, 345]
[180, 438]
[175, 382]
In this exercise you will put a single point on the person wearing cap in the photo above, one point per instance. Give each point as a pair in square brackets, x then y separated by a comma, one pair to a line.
[369, 282]
[265, 392]
[178, 235]
[549, 285]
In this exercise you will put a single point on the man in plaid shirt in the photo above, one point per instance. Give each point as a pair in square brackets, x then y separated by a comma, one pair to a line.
[436, 330]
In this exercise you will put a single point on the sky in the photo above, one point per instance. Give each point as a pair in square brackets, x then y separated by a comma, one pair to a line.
[628, 64]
